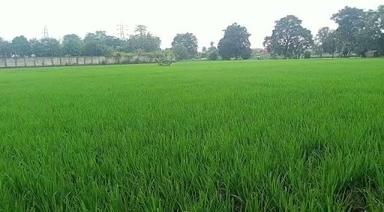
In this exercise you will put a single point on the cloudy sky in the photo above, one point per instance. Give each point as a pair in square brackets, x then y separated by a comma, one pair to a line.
[164, 18]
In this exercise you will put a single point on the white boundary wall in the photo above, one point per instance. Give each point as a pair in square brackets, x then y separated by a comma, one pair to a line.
[71, 61]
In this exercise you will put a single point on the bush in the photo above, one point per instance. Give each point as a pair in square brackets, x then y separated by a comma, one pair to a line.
[213, 54]
[307, 54]
[165, 58]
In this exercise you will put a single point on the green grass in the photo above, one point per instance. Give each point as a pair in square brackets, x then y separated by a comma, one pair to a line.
[300, 135]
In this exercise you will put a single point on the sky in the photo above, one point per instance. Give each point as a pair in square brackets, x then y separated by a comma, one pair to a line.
[165, 18]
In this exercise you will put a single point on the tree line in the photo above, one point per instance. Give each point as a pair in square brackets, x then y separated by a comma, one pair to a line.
[359, 32]
[93, 44]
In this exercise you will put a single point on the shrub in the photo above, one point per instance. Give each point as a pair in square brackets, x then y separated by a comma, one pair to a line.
[213, 54]
[307, 54]
[165, 58]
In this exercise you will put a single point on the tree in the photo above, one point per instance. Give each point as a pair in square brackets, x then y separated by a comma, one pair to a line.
[368, 38]
[37, 48]
[142, 41]
[203, 53]
[380, 12]
[95, 44]
[359, 31]
[185, 46]
[212, 52]
[21, 47]
[165, 57]
[326, 41]
[289, 39]
[351, 22]
[235, 43]
[5, 48]
[115, 44]
[46, 47]
[51, 46]
[72, 45]
[141, 29]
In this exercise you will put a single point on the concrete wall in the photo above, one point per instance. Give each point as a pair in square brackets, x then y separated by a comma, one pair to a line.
[71, 61]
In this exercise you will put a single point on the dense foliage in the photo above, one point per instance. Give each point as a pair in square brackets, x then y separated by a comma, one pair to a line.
[235, 43]
[289, 39]
[326, 41]
[142, 41]
[72, 45]
[93, 44]
[185, 46]
[359, 32]
[212, 53]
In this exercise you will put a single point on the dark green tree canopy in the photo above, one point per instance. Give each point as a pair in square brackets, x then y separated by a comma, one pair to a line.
[145, 43]
[351, 22]
[141, 29]
[235, 43]
[21, 47]
[368, 38]
[327, 41]
[289, 39]
[5, 48]
[46, 47]
[380, 14]
[36, 47]
[212, 52]
[142, 41]
[72, 45]
[185, 46]
[359, 31]
[95, 44]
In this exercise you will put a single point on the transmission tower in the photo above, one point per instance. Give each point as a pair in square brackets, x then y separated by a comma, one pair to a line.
[45, 32]
[122, 31]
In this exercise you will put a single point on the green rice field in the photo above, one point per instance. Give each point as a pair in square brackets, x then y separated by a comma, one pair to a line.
[283, 135]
